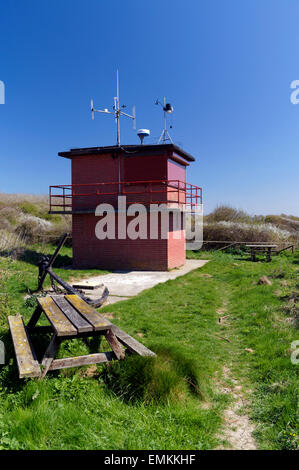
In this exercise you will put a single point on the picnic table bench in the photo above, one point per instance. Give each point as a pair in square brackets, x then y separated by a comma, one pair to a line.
[69, 317]
[258, 248]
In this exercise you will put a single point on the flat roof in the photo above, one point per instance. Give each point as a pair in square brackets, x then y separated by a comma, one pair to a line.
[128, 149]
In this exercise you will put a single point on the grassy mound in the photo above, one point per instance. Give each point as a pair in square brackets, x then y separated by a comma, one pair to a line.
[168, 377]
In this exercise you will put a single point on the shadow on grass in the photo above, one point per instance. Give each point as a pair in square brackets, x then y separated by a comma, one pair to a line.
[258, 259]
[9, 375]
[33, 257]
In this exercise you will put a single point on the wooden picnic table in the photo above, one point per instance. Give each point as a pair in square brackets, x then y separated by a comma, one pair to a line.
[69, 317]
[265, 248]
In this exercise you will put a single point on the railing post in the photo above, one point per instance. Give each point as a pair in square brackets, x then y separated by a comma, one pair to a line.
[73, 194]
[185, 188]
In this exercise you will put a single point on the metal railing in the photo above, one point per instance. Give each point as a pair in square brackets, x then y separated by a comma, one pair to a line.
[73, 197]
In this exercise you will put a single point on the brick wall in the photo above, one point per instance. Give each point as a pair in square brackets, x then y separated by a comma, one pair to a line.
[156, 255]
[88, 250]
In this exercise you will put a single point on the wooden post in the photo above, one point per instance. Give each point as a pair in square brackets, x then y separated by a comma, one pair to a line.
[50, 355]
[35, 317]
[269, 254]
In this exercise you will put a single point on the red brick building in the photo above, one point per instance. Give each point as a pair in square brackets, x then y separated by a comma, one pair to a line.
[146, 174]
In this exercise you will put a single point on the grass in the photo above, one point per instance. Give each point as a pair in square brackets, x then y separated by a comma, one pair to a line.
[24, 219]
[174, 401]
[258, 322]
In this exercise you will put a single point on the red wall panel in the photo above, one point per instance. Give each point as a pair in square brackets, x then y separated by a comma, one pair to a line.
[148, 254]
[156, 255]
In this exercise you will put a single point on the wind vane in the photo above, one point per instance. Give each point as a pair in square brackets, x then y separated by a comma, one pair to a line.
[117, 111]
[167, 109]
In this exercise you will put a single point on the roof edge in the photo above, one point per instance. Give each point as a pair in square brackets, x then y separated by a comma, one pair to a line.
[127, 149]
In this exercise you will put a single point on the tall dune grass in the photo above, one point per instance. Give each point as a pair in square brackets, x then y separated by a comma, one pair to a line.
[226, 223]
[24, 219]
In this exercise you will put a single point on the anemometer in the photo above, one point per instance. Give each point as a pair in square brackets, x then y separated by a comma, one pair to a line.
[117, 111]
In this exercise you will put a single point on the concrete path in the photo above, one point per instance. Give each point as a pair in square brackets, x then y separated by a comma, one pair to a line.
[125, 284]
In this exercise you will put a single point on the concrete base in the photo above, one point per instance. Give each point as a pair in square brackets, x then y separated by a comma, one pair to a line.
[125, 284]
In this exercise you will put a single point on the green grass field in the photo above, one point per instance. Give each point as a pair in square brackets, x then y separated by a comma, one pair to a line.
[175, 401]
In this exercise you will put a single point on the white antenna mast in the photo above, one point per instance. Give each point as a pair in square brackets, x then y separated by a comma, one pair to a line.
[117, 111]
[167, 109]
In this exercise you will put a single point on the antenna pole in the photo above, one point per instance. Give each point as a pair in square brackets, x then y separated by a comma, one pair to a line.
[117, 85]
[118, 130]
[117, 111]
[165, 129]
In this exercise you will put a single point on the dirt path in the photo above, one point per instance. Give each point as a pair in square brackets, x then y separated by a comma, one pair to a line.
[237, 428]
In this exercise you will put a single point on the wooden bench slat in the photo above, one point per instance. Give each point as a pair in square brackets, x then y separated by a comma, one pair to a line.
[89, 313]
[75, 318]
[59, 321]
[82, 360]
[131, 343]
[27, 364]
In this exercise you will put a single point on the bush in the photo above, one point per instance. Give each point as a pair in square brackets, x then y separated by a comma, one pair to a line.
[283, 222]
[227, 213]
[238, 231]
[228, 224]
[29, 208]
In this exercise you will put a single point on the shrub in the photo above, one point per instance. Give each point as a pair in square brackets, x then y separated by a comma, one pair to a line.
[228, 224]
[29, 208]
[240, 231]
[8, 217]
[283, 222]
[227, 213]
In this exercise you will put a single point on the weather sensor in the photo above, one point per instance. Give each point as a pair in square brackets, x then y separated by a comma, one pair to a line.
[143, 133]
[117, 111]
[167, 109]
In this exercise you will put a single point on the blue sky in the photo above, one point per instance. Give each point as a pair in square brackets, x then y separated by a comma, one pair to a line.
[225, 65]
